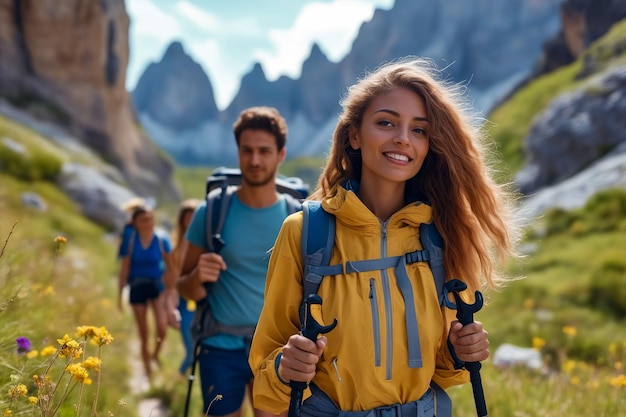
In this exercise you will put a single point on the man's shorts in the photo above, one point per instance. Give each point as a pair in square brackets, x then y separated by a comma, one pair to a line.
[143, 290]
[226, 373]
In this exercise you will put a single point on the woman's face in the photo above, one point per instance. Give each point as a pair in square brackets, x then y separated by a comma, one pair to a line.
[393, 137]
[144, 221]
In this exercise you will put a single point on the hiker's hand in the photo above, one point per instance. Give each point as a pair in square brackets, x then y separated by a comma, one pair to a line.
[470, 342]
[173, 318]
[300, 357]
[209, 267]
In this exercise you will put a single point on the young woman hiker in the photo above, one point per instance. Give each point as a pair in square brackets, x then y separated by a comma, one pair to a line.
[147, 268]
[404, 152]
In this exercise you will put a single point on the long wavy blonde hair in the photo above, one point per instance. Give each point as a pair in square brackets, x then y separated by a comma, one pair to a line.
[471, 211]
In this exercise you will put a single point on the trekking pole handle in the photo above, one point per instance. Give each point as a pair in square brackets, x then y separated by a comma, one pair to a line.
[311, 328]
[465, 315]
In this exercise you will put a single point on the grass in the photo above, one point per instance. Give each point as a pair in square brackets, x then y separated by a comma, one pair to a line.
[48, 290]
[583, 367]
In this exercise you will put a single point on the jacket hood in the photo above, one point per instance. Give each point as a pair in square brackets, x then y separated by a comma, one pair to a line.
[350, 210]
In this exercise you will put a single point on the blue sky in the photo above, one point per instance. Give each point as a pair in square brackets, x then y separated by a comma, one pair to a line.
[226, 37]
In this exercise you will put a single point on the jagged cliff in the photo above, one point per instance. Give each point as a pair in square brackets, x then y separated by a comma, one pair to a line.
[65, 62]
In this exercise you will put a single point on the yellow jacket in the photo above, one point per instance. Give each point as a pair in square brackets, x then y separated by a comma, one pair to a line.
[361, 368]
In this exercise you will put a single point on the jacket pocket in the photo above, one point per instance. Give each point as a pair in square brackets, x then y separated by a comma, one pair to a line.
[375, 321]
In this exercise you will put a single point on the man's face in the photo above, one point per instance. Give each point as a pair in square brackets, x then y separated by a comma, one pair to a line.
[259, 156]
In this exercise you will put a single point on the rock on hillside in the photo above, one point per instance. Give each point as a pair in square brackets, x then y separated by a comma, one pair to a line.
[65, 61]
[575, 130]
[582, 23]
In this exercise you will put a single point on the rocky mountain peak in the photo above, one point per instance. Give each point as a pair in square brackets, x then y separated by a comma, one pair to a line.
[185, 95]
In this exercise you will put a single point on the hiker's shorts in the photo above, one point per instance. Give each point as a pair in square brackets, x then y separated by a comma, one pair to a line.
[143, 290]
[224, 372]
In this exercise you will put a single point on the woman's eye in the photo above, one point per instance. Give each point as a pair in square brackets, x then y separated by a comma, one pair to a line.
[385, 123]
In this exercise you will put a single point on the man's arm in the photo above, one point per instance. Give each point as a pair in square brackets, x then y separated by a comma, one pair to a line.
[188, 284]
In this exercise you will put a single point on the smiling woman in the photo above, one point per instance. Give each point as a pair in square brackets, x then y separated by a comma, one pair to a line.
[227, 38]
[404, 154]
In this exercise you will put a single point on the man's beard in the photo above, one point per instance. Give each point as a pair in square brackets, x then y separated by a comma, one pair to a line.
[254, 182]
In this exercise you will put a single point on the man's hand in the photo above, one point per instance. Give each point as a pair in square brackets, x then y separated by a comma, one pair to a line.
[470, 342]
[300, 357]
[209, 267]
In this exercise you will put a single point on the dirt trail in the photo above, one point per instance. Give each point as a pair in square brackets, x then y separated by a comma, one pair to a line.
[139, 384]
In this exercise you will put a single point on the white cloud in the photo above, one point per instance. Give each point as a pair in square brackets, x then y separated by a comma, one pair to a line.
[198, 16]
[333, 26]
[150, 21]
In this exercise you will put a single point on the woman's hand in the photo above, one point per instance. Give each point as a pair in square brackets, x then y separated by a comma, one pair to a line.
[470, 342]
[300, 357]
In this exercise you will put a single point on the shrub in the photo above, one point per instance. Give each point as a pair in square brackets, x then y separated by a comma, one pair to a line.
[38, 165]
[607, 290]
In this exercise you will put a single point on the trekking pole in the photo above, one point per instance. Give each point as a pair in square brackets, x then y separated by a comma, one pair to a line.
[192, 376]
[196, 353]
[465, 315]
[310, 329]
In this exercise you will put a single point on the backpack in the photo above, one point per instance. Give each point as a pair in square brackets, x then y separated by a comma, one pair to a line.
[221, 185]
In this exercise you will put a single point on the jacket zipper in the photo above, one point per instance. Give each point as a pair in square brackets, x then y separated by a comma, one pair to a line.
[387, 298]
[375, 321]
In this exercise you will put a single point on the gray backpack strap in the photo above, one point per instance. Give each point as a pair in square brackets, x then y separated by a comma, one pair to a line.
[432, 252]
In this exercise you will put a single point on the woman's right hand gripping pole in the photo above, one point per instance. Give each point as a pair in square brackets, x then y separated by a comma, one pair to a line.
[302, 352]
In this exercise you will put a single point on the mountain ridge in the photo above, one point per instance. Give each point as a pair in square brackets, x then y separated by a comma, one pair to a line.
[461, 40]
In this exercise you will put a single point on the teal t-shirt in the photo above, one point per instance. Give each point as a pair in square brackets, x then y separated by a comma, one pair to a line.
[236, 299]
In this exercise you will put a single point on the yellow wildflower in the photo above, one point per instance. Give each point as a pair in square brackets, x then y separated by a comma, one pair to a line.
[32, 354]
[568, 366]
[618, 381]
[78, 372]
[86, 331]
[49, 290]
[612, 349]
[18, 390]
[538, 342]
[7, 413]
[48, 351]
[92, 363]
[32, 400]
[569, 330]
[70, 348]
[575, 380]
[529, 304]
[103, 337]
[59, 240]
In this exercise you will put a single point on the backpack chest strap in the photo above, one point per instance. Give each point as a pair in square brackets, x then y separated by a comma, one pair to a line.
[404, 284]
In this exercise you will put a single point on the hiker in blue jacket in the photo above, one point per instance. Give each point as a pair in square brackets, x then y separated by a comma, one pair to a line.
[147, 268]
[237, 274]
